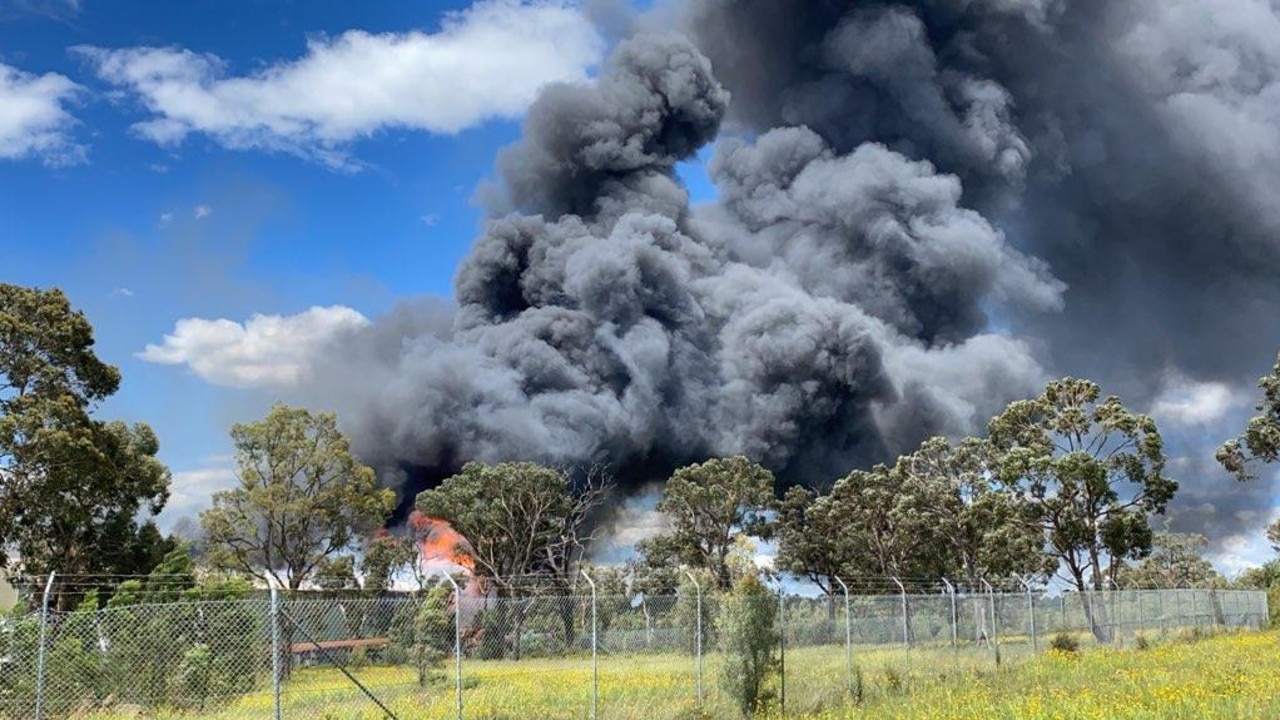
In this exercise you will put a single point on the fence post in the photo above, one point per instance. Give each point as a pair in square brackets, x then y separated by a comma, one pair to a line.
[1031, 608]
[1142, 618]
[1177, 603]
[782, 647]
[995, 632]
[1115, 610]
[457, 638]
[274, 615]
[955, 618]
[906, 629]
[595, 666]
[848, 634]
[40, 656]
[697, 589]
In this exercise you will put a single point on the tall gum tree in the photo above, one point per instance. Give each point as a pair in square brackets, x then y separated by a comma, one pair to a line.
[709, 505]
[301, 498]
[71, 487]
[1091, 471]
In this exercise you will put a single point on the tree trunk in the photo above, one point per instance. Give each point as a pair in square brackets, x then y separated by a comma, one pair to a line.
[568, 616]
[981, 615]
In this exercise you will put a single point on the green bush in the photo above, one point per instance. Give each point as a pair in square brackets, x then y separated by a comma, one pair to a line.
[894, 679]
[394, 655]
[1064, 642]
[749, 637]
[433, 633]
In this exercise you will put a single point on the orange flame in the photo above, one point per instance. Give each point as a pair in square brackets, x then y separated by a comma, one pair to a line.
[439, 544]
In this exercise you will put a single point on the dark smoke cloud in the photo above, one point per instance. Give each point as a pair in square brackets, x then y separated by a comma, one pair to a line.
[924, 208]
[831, 309]
[1131, 145]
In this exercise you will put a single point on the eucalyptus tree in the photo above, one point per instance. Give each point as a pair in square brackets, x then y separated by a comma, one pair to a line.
[1092, 472]
[1260, 441]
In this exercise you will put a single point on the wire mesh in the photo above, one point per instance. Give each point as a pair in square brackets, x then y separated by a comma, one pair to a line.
[444, 654]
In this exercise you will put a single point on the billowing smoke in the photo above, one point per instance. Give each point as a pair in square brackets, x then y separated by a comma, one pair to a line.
[1131, 145]
[830, 309]
[924, 209]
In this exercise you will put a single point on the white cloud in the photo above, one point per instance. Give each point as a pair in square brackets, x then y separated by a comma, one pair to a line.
[166, 218]
[486, 61]
[191, 491]
[33, 119]
[1243, 551]
[203, 211]
[1183, 401]
[267, 350]
[122, 292]
[430, 219]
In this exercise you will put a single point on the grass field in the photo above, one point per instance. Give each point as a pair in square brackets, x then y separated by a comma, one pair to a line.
[1228, 676]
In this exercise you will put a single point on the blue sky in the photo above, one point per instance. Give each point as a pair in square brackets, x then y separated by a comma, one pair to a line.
[228, 159]
[230, 222]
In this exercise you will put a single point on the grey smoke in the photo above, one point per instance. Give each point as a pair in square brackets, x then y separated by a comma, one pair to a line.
[924, 209]
[829, 310]
[1130, 145]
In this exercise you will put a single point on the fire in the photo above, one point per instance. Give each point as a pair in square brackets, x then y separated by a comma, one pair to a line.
[443, 549]
[439, 545]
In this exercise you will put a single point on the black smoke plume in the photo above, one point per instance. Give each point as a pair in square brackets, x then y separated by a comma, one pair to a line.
[829, 310]
[1131, 145]
[924, 208]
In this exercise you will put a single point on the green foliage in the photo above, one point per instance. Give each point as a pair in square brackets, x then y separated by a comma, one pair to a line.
[686, 611]
[433, 632]
[521, 519]
[1092, 471]
[709, 506]
[383, 555]
[934, 513]
[1265, 577]
[1176, 560]
[894, 680]
[809, 539]
[70, 486]
[336, 573]
[1064, 642]
[302, 498]
[1260, 441]
[750, 640]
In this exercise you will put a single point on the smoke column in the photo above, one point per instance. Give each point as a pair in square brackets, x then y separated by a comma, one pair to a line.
[1131, 145]
[924, 209]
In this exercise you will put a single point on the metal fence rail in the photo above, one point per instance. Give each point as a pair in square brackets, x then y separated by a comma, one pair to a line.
[449, 652]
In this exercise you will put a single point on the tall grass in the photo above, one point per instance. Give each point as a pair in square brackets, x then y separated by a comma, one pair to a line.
[1228, 676]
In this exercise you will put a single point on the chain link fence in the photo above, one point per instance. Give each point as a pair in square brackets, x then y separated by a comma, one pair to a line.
[446, 652]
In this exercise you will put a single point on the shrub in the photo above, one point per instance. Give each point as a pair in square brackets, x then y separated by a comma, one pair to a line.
[394, 655]
[1140, 642]
[1064, 642]
[748, 633]
[893, 679]
[432, 633]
